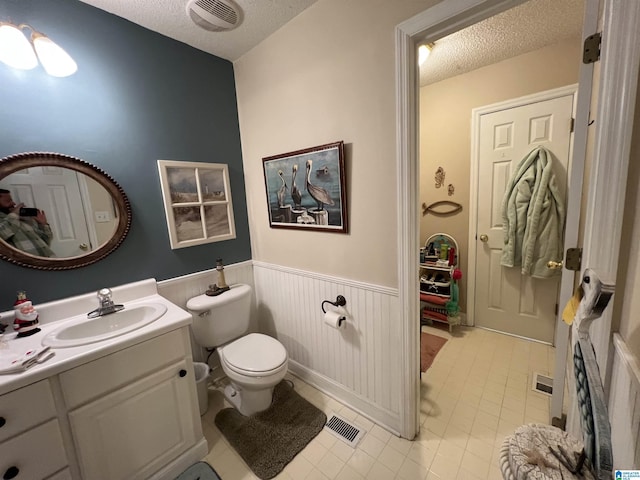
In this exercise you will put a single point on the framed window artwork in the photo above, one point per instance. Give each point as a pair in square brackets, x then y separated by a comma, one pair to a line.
[197, 202]
[306, 189]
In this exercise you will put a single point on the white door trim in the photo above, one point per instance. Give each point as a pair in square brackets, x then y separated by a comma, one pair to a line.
[438, 21]
[614, 128]
[476, 113]
[574, 207]
[617, 92]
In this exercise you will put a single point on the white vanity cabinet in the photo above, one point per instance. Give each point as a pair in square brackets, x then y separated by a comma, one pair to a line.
[142, 411]
[31, 444]
[131, 414]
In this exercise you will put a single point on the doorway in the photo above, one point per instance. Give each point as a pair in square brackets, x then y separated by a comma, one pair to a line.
[437, 22]
[613, 130]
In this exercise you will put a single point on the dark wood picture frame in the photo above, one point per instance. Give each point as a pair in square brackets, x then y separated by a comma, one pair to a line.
[122, 210]
[306, 189]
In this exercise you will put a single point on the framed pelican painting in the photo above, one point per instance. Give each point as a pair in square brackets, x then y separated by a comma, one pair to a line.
[306, 189]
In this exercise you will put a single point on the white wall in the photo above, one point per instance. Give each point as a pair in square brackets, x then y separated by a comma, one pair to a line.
[328, 75]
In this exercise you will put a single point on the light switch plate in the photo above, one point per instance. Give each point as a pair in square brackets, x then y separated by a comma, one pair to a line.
[102, 217]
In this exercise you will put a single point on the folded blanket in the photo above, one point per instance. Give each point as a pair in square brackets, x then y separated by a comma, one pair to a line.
[425, 297]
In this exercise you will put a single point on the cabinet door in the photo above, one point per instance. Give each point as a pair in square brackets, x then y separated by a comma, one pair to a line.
[135, 431]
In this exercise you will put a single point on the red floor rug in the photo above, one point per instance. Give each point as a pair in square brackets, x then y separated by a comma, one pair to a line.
[430, 345]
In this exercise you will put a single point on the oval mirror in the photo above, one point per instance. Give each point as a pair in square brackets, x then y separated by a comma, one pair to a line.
[75, 214]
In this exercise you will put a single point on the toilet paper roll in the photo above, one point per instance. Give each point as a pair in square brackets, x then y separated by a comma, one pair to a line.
[335, 319]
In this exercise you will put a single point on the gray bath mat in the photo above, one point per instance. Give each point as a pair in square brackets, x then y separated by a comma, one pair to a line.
[268, 440]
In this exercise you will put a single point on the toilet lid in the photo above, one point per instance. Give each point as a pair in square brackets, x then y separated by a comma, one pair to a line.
[254, 353]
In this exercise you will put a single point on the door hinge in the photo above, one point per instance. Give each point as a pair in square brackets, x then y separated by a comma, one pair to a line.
[573, 259]
[572, 125]
[556, 310]
[591, 52]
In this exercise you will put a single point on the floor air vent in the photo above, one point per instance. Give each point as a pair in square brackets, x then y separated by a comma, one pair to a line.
[342, 429]
[542, 384]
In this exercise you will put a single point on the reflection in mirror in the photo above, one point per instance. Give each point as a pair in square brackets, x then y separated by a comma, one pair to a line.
[75, 213]
[79, 210]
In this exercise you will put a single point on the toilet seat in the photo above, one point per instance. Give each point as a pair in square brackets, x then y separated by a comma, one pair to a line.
[254, 355]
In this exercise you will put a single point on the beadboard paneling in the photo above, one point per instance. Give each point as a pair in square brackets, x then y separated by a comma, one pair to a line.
[624, 407]
[359, 364]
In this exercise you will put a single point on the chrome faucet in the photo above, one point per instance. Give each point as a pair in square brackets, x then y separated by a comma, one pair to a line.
[106, 304]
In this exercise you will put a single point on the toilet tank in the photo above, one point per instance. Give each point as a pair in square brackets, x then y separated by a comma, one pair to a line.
[221, 319]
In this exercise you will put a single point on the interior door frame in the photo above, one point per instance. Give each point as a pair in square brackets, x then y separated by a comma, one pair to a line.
[617, 91]
[476, 115]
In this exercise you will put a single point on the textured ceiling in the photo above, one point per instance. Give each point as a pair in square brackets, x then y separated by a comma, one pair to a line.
[169, 17]
[522, 29]
[525, 28]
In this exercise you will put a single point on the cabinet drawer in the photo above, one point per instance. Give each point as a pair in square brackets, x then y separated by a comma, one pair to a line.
[101, 376]
[25, 408]
[35, 454]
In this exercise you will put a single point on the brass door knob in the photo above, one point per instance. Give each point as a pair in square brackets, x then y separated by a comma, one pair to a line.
[484, 238]
[84, 246]
[554, 265]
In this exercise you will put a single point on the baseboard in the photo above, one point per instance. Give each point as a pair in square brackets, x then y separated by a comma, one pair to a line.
[384, 418]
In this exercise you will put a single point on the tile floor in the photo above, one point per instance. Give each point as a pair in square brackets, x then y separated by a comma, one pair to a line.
[477, 391]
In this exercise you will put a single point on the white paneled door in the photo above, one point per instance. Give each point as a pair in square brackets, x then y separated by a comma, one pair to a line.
[506, 300]
[56, 191]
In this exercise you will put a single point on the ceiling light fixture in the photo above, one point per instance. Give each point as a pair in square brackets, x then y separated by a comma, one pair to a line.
[424, 51]
[22, 52]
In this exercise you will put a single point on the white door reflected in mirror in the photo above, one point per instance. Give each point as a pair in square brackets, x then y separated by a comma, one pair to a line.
[79, 211]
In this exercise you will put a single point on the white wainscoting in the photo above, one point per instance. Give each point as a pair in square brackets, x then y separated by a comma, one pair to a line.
[358, 365]
[624, 407]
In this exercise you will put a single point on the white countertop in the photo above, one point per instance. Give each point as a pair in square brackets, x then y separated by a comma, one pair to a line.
[70, 357]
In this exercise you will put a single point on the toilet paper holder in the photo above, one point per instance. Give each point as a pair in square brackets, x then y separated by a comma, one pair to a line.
[340, 302]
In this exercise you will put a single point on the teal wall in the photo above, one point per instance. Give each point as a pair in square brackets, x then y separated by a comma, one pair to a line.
[137, 97]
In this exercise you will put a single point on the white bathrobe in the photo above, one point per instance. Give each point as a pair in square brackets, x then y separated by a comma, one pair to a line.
[533, 217]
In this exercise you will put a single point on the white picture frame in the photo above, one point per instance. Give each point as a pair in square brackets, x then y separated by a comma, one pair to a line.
[197, 202]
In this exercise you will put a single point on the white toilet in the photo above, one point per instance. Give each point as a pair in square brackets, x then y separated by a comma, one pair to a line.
[254, 363]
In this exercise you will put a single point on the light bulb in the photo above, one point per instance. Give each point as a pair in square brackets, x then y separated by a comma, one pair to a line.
[423, 53]
[15, 49]
[53, 58]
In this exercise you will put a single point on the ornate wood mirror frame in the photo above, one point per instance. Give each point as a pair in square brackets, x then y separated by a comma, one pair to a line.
[122, 210]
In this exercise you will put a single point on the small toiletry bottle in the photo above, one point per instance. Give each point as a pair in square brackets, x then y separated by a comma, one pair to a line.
[422, 255]
[444, 249]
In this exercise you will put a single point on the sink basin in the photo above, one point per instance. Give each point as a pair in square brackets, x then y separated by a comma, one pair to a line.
[84, 331]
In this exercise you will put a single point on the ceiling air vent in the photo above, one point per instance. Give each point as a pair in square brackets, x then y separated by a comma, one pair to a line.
[214, 15]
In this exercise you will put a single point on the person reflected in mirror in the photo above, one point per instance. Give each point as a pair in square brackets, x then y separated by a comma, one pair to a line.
[31, 234]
